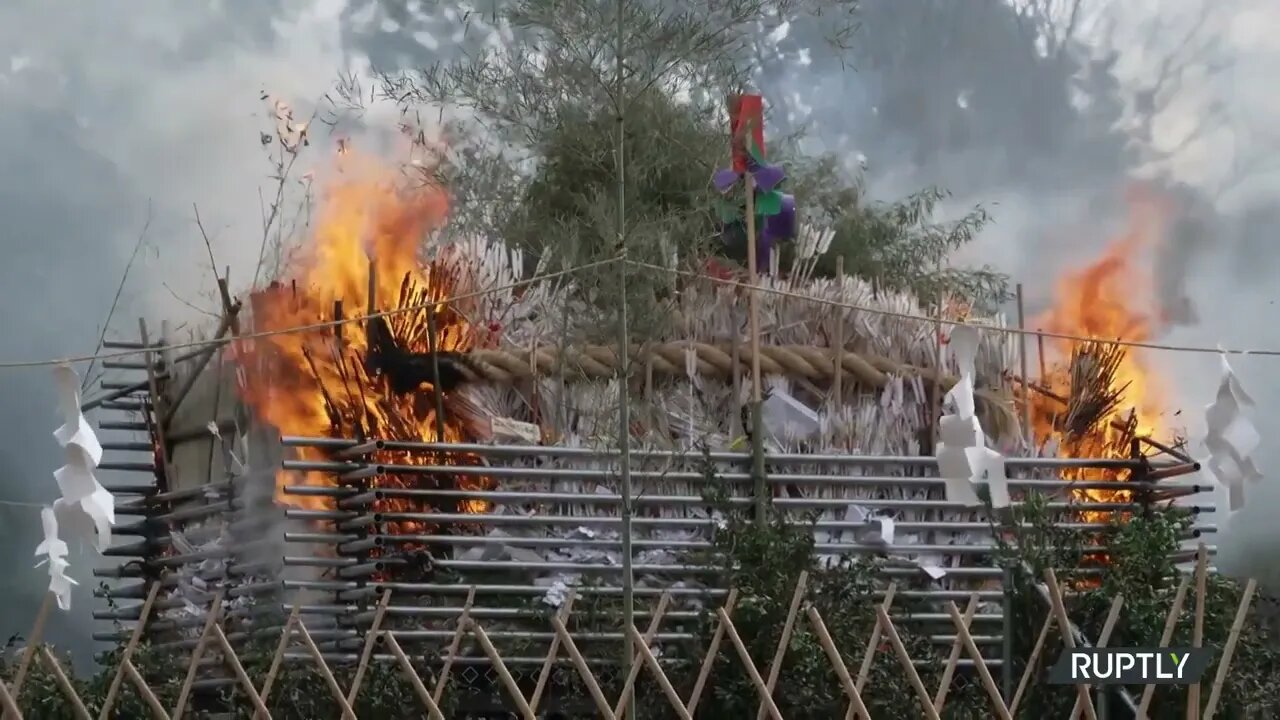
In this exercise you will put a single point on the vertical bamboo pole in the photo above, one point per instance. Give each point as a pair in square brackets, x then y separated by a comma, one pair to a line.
[837, 380]
[624, 364]
[1197, 630]
[759, 486]
[1022, 369]
[434, 343]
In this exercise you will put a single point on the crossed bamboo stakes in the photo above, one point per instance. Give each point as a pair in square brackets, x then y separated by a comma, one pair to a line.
[852, 687]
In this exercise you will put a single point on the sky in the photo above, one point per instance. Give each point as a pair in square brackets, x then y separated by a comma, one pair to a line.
[121, 116]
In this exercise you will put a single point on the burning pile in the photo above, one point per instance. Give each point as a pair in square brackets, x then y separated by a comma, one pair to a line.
[1097, 397]
[365, 378]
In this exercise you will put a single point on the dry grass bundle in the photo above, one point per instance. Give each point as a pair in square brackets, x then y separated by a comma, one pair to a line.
[1094, 392]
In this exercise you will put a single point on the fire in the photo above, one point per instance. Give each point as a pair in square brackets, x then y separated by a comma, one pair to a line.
[319, 383]
[1111, 298]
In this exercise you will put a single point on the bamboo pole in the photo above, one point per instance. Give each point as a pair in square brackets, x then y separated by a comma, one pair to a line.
[367, 651]
[464, 621]
[545, 674]
[1108, 626]
[627, 695]
[984, 674]
[1032, 662]
[144, 690]
[1068, 638]
[745, 656]
[837, 372]
[277, 659]
[1166, 636]
[1022, 363]
[624, 360]
[424, 696]
[1197, 630]
[904, 659]
[433, 341]
[193, 665]
[34, 639]
[114, 689]
[64, 684]
[948, 672]
[659, 676]
[788, 627]
[856, 706]
[584, 671]
[713, 650]
[1229, 650]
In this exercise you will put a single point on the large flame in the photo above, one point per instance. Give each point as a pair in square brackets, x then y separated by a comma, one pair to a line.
[316, 383]
[1110, 298]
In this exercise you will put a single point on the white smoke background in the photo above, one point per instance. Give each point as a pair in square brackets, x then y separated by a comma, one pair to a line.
[117, 111]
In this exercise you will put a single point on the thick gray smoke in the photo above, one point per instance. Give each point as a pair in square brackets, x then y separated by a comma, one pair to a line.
[112, 107]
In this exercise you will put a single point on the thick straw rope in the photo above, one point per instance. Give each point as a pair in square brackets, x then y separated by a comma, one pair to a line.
[815, 365]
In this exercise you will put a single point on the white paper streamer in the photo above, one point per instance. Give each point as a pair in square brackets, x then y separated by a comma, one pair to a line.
[964, 460]
[84, 506]
[1231, 438]
[55, 551]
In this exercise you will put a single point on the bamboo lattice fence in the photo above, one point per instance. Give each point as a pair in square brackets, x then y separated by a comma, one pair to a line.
[682, 693]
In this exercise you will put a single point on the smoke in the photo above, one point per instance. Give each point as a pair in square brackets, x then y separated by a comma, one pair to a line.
[117, 113]
[119, 116]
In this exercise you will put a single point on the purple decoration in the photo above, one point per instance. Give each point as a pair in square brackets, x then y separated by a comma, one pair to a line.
[725, 179]
[783, 225]
[768, 177]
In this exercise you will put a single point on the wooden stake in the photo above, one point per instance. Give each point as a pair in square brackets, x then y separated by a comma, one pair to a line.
[33, 643]
[1197, 630]
[856, 705]
[873, 643]
[625, 697]
[193, 665]
[277, 659]
[658, 675]
[367, 651]
[114, 689]
[1108, 626]
[463, 622]
[944, 684]
[788, 626]
[745, 656]
[908, 666]
[563, 613]
[1064, 623]
[230, 658]
[708, 661]
[334, 689]
[144, 690]
[64, 684]
[495, 658]
[584, 671]
[984, 674]
[419, 688]
[1229, 650]
[1032, 662]
[1170, 624]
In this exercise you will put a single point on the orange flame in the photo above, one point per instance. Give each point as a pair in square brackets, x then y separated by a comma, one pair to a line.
[1111, 298]
[315, 383]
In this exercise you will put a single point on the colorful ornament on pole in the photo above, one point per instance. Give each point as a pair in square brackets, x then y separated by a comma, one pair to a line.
[775, 210]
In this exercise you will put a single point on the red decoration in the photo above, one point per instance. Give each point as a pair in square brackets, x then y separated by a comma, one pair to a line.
[746, 126]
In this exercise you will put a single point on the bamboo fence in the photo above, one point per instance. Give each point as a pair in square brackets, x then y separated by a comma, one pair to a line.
[765, 677]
